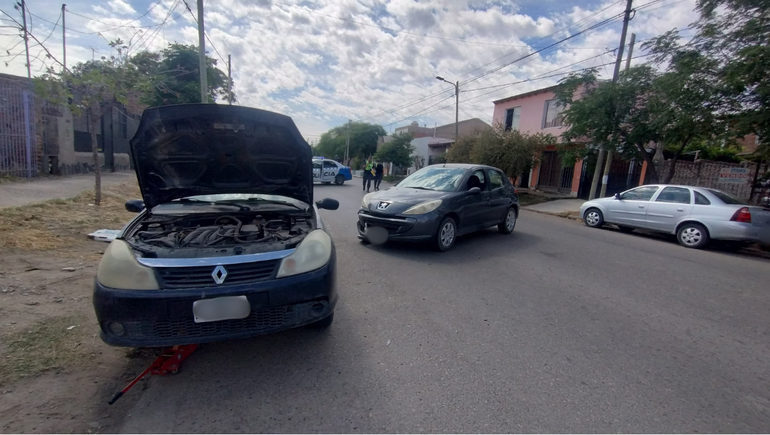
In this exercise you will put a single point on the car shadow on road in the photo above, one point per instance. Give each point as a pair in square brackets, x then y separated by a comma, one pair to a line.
[468, 248]
[720, 246]
[293, 381]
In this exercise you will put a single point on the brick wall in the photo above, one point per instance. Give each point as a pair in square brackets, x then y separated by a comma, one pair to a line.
[705, 173]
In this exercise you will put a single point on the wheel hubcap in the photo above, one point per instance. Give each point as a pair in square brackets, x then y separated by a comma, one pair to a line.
[510, 220]
[691, 236]
[447, 234]
[592, 218]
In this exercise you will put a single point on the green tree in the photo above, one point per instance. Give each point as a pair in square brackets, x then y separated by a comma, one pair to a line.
[460, 151]
[363, 141]
[175, 77]
[88, 86]
[397, 151]
[736, 35]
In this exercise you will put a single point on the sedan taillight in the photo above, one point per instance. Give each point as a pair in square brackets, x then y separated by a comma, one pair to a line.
[742, 215]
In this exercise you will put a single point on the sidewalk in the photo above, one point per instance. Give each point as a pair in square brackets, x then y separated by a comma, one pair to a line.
[562, 207]
[14, 194]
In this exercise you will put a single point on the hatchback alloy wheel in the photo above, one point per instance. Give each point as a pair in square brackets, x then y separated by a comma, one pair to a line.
[448, 234]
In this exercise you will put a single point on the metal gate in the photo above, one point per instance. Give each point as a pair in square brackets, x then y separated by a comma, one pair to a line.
[18, 152]
[552, 176]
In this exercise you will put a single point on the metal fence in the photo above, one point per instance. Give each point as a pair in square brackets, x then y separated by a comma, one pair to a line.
[18, 149]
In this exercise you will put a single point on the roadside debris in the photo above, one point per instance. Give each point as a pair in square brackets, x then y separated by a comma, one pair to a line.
[104, 235]
[70, 269]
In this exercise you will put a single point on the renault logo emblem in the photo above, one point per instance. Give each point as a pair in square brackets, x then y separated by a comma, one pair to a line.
[219, 274]
[382, 205]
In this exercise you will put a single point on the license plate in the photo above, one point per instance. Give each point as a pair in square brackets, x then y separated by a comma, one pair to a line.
[224, 308]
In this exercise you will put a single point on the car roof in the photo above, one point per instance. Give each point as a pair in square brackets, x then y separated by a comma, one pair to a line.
[684, 186]
[462, 165]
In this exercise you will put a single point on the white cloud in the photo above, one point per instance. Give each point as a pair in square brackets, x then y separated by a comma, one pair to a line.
[323, 62]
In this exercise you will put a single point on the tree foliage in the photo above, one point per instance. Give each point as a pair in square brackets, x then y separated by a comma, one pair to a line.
[175, 78]
[88, 86]
[397, 151]
[363, 141]
[512, 151]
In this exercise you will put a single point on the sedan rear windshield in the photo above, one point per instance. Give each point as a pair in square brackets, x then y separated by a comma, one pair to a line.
[434, 178]
[727, 198]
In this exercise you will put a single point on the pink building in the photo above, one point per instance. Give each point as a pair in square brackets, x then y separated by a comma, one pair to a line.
[538, 112]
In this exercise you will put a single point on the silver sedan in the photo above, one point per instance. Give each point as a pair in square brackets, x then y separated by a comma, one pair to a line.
[695, 214]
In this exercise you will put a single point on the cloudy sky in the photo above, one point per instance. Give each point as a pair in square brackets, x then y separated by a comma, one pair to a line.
[323, 62]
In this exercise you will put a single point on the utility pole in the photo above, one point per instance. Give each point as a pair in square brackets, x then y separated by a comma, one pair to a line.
[229, 81]
[457, 109]
[347, 145]
[26, 36]
[63, 37]
[615, 74]
[630, 51]
[202, 54]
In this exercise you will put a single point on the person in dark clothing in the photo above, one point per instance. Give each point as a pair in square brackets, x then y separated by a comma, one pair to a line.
[378, 171]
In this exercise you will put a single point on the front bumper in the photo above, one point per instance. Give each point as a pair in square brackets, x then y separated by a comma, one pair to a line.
[413, 228]
[155, 318]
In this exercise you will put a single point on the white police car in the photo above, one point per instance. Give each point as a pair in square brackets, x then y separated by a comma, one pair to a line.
[329, 171]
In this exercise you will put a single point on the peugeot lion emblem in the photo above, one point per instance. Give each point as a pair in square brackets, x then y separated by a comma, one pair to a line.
[219, 274]
[383, 205]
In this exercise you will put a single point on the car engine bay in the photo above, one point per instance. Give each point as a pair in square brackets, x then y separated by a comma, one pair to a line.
[190, 236]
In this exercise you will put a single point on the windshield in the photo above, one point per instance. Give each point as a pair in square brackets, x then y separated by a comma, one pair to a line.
[727, 198]
[434, 178]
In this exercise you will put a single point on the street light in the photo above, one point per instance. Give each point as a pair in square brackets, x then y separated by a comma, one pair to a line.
[457, 102]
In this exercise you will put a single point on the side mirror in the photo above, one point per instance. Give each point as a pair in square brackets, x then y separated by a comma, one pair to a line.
[617, 196]
[328, 204]
[135, 205]
[474, 191]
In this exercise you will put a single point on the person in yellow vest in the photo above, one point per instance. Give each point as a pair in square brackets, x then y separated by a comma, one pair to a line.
[368, 174]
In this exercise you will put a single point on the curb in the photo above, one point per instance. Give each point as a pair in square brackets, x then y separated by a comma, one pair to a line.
[561, 215]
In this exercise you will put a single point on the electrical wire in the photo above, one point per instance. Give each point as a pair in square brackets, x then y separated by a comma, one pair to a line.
[205, 34]
[154, 34]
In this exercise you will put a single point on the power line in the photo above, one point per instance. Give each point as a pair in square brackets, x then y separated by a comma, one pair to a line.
[205, 34]
[148, 42]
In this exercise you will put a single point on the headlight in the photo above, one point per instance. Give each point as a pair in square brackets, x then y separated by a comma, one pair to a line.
[425, 207]
[365, 201]
[119, 269]
[313, 253]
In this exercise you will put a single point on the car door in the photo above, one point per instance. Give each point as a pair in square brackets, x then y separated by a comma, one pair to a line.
[317, 170]
[630, 208]
[499, 196]
[473, 208]
[668, 208]
[329, 171]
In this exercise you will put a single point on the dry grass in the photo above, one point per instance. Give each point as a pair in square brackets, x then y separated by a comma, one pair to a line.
[61, 223]
[48, 345]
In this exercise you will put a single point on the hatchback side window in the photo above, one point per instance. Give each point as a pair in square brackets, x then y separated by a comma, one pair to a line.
[678, 195]
[700, 199]
[477, 179]
[640, 193]
[495, 179]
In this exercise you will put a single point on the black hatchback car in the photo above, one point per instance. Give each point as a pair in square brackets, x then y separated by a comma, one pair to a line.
[439, 203]
[227, 243]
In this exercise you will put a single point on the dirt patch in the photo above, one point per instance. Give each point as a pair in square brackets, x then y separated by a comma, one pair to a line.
[527, 199]
[56, 374]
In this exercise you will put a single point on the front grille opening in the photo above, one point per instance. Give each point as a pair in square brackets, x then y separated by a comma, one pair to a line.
[202, 276]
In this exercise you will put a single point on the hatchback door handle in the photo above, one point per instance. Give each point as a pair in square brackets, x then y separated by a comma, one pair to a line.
[680, 209]
[641, 206]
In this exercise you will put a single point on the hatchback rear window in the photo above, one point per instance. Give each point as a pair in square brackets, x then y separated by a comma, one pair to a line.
[727, 198]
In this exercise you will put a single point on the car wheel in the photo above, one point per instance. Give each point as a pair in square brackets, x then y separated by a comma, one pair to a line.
[447, 234]
[323, 323]
[594, 218]
[339, 179]
[625, 229]
[692, 235]
[507, 225]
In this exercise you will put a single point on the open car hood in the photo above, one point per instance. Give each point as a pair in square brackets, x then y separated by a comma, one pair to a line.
[200, 149]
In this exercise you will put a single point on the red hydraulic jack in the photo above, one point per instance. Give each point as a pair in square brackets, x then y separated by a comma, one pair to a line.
[167, 363]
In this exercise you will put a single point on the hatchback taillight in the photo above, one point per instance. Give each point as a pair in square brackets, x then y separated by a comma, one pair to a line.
[742, 215]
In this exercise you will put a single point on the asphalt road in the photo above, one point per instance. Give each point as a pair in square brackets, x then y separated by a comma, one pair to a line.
[555, 328]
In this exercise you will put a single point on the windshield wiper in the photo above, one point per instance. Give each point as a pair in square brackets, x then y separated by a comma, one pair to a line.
[271, 201]
[419, 187]
[241, 207]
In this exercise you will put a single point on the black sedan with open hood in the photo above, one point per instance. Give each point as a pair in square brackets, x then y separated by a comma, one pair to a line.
[227, 242]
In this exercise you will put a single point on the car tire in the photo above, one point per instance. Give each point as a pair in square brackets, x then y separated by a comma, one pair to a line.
[339, 180]
[509, 222]
[323, 323]
[625, 229]
[692, 235]
[446, 234]
[593, 218]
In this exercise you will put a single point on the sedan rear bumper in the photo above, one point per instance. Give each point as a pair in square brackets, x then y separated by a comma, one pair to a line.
[739, 231]
[154, 318]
